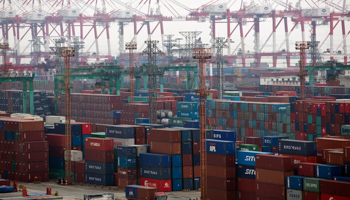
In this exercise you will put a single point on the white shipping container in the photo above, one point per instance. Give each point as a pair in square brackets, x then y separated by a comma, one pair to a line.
[260, 10]
[51, 119]
[219, 8]
[35, 16]
[122, 142]
[75, 155]
[70, 13]
[140, 149]
[316, 12]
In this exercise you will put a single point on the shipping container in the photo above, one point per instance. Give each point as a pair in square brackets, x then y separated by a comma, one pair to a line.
[220, 147]
[272, 176]
[282, 163]
[156, 160]
[245, 171]
[98, 167]
[247, 157]
[295, 147]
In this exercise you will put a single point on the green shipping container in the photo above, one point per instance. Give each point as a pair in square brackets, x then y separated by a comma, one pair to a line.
[13, 166]
[249, 147]
[178, 121]
[309, 119]
[345, 130]
[59, 173]
[312, 184]
[98, 135]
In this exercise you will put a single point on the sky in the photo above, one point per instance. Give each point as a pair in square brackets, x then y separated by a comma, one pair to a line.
[175, 27]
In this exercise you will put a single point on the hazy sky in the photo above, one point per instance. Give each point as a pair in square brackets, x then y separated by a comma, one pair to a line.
[175, 27]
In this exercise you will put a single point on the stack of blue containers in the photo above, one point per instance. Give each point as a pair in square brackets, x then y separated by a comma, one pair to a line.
[176, 172]
[196, 158]
[187, 109]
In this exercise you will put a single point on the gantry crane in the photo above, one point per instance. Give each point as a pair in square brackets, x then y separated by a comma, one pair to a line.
[202, 54]
[152, 72]
[131, 46]
[67, 53]
[302, 46]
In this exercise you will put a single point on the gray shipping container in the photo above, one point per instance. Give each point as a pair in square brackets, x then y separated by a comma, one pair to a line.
[294, 194]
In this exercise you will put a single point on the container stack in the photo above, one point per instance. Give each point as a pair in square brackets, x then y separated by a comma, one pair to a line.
[271, 175]
[156, 171]
[99, 159]
[187, 159]
[57, 147]
[176, 172]
[272, 142]
[246, 173]
[127, 166]
[221, 170]
[79, 171]
[131, 111]
[24, 153]
[138, 192]
[92, 108]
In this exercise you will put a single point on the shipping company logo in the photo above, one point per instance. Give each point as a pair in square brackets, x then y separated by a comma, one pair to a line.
[166, 185]
[10, 13]
[249, 172]
[148, 184]
[74, 11]
[324, 10]
[331, 198]
[217, 135]
[266, 8]
[266, 141]
[291, 194]
[131, 193]
[292, 147]
[127, 13]
[95, 144]
[212, 147]
[221, 6]
[39, 15]
[282, 108]
[249, 158]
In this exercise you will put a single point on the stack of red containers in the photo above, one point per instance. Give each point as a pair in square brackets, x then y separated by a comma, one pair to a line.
[24, 153]
[271, 174]
[132, 111]
[165, 141]
[93, 108]
[79, 171]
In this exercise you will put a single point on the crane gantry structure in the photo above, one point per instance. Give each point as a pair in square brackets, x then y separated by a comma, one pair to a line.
[91, 21]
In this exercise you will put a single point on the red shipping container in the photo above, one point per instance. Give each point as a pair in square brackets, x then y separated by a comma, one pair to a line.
[30, 177]
[31, 136]
[122, 182]
[311, 196]
[127, 172]
[221, 183]
[32, 156]
[116, 179]
[281, 163]
[196, 147]
[196, 171]
[246, 184]
[162, 185]
[187, 160]
[56, 151]
[221, 194]
[253, 140]
[140, 141]
[33, 146]
[99, 156]
[307, 169]
[34, 167]
[79, 167]
[242, 195]
[187, 172]
[299, 159]
[347, 154]
[165, 148]
[338, 188]
[221, 160]
[101, 144]
[270, 190]
[331, 143]
[85, 128]
[56, 140]
[333, 197]
[335, 158]
[79, 177]
[221, 172]
[165, 135]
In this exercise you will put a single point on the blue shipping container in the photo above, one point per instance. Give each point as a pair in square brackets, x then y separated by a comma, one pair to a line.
[196, 159]
[347, 169]
[272, 140]
[176, 185]
[119, 131]
[248, 157]
[60, 128]
[188, 184]
[195, 135]
[176, 173]
[100, 179]
[76, 140]
[187, 106]
[127, 151]
[191, 124]
[328, 171]
[159, 173]
[176, 160]
[297, 147]
[222, 135]
[266, 149]
[55, 162]
[220, 147]
[186, 148]
[131, 191]
[196, 183]
[245, 171]
[194, 115]
[295, 182]
[342, 178]
[99, 168]
[156, 160]
[127, 162]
